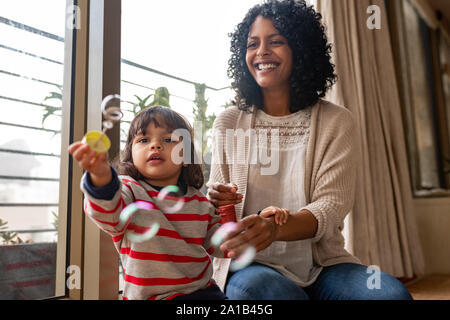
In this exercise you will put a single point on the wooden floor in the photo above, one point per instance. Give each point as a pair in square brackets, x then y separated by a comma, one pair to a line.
[433, 287]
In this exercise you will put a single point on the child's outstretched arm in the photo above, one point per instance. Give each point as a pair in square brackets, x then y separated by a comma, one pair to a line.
[281, 215]
[105, 194]
[96, 164]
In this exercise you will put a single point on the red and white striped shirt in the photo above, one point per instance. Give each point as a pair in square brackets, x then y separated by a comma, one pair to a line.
[176, 260]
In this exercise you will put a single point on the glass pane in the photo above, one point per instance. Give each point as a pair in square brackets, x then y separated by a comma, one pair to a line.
[188, 42]
[31, 78]
[420, 71]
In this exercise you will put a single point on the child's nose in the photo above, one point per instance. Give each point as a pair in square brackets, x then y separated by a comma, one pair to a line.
[156, 145]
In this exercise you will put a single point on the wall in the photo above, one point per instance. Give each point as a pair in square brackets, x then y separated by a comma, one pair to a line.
[433, 222]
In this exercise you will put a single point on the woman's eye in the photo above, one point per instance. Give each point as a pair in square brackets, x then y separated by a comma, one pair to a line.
[277, 42]
[251, 45]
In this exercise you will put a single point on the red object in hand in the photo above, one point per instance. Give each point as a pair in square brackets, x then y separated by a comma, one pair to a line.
[227, 214]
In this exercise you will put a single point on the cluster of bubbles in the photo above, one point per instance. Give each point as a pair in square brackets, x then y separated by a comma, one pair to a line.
[130, 210]
[149, 232]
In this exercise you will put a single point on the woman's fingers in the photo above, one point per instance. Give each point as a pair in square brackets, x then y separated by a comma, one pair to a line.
[221, 187]
[222, 194]
[250, 231]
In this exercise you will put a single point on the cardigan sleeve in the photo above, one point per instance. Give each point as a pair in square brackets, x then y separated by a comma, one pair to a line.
[220, 171]
[333, 175]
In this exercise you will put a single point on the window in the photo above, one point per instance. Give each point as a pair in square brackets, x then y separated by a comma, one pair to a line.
[32, 227]
[421, 82]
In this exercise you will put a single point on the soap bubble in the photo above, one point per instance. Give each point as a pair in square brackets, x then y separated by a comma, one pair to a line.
[163, 194]
[112, 112]
[149, 233]
[221, 233]
[244, 259]
[127, 214]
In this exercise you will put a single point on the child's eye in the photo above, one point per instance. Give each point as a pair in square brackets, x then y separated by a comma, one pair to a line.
[168, 140]
[143, 140]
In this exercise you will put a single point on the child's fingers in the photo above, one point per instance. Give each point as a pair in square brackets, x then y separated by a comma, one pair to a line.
[79, 152]
[278, 218]
[285, 216]
[74, 146]
[98, 159]
[87, 158]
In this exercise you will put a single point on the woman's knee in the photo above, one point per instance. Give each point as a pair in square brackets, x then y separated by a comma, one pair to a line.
[392, 289]
[258, 282]
[356, 282]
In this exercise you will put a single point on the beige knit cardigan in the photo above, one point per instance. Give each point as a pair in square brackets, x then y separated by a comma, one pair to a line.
[330, 175]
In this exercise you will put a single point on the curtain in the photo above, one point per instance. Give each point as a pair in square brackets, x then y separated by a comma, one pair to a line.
[383, 229]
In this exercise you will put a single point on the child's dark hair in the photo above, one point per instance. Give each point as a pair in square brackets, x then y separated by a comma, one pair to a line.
[161, 117]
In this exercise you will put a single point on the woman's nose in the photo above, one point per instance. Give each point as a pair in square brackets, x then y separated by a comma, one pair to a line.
[262, 50]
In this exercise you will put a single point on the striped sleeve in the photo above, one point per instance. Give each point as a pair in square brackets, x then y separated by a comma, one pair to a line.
[105, 213]
[213, 225]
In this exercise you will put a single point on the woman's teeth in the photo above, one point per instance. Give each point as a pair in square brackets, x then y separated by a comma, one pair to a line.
[266, 66]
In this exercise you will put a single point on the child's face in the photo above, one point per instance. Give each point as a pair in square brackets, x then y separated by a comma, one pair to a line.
[152, 156]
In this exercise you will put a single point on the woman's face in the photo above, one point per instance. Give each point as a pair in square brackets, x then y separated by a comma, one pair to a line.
[269, 56]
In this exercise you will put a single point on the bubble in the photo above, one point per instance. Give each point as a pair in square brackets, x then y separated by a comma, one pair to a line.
[163, 194]
[149, 233]
[111, 113]
[243, 260]
[222, 233]
[127, 214]
[108, 124]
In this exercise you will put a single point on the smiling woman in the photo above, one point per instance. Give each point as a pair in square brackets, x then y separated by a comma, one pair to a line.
[281, 67]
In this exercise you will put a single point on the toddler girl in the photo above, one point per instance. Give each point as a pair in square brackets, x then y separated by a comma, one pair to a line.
[175, 263]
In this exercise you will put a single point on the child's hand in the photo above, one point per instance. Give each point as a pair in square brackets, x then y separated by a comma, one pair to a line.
[281, 215]
[96, 164]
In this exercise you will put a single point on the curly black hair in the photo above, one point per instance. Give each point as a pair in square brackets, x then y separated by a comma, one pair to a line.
[312, 73]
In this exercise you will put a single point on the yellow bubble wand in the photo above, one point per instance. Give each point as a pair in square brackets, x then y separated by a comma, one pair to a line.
[99, 141]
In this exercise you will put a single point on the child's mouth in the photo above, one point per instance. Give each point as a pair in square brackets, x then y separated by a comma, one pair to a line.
[155, 159]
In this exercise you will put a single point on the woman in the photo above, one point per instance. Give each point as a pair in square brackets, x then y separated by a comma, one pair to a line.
[281, 67]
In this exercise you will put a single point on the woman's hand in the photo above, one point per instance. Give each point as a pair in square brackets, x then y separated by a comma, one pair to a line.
[281, 215]
[224, 194]
[96, 164]
[253, 231]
